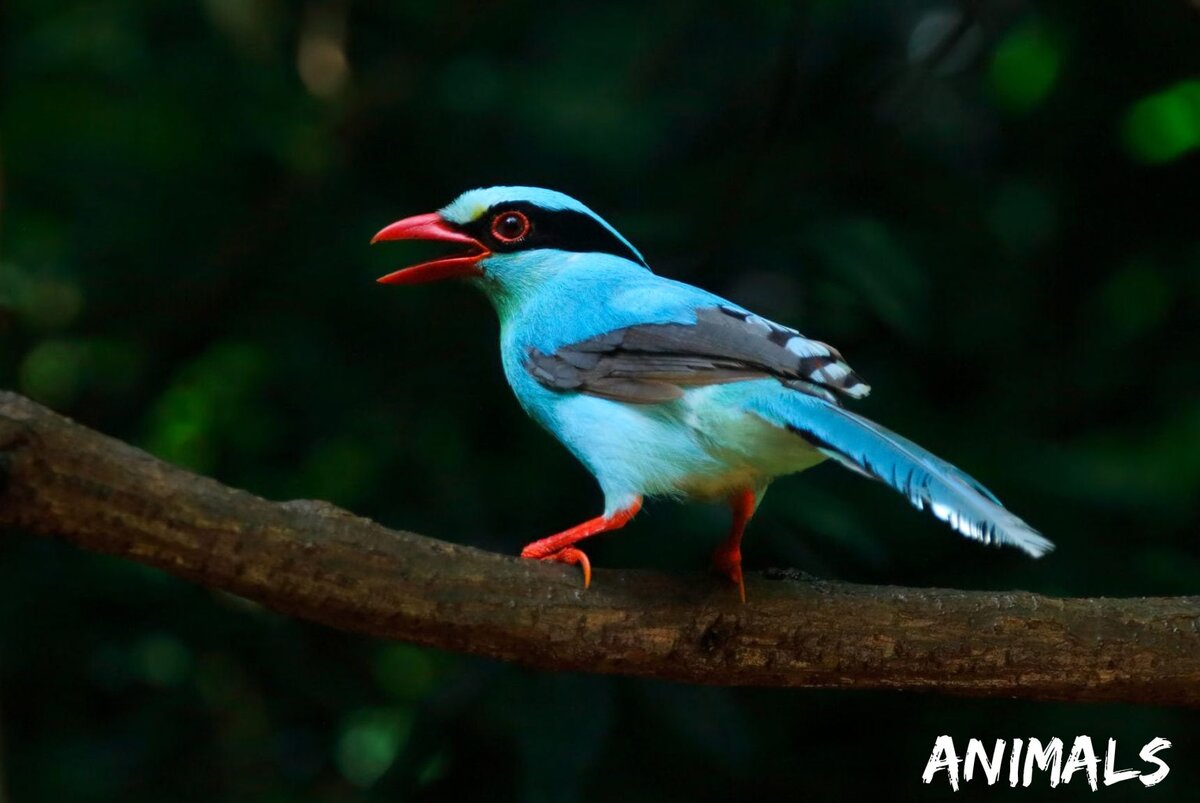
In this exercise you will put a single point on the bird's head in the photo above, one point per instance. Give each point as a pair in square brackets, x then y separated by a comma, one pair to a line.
[506, 238]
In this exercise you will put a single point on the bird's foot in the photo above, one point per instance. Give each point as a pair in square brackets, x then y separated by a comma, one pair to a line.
[559, 547]
[571, 556]
[729, 563]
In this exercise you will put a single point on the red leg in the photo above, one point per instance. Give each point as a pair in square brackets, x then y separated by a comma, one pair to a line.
[727, 558]
[559, 547]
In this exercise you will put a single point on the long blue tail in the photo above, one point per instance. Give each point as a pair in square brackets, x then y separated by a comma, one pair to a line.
[929, 482]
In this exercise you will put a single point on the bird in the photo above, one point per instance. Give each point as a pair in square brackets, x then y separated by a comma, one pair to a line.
[660, 388]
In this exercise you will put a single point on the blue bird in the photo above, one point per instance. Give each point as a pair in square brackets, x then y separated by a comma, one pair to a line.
[661, 388]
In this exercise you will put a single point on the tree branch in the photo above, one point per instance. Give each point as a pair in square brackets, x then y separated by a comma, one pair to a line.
[317, 562]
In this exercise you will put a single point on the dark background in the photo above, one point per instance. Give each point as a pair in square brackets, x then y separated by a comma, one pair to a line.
[992, 209]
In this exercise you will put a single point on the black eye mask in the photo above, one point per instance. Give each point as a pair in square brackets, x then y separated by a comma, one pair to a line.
[563, 229]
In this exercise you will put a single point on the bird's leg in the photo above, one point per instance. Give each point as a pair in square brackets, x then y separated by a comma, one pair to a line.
[727, 557]
[559, 547]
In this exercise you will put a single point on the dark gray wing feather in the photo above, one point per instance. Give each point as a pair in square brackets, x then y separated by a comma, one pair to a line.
[651, 363]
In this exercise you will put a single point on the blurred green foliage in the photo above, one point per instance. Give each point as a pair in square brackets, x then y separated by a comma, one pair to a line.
[994, 215]
[1165, 125]
[1024, 67]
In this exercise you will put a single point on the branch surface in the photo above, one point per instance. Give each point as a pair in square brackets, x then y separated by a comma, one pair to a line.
[317, 562]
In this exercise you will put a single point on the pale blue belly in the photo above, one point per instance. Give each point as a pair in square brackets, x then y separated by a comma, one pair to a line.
[704, 445]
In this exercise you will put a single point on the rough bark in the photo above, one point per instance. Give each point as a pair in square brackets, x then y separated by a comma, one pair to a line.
[317, 562]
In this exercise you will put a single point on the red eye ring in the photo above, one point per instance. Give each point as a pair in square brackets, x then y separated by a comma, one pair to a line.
[510, 227]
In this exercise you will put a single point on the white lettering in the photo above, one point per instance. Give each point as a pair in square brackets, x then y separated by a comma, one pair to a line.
[1077, 760]
[943, 758]
[1110, 758]
[1048, 758]
[975, 753]
[1147, 754]
[1043, 758]
[1014, 763]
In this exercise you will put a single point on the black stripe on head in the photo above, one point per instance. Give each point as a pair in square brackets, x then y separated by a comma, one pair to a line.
[563, 229]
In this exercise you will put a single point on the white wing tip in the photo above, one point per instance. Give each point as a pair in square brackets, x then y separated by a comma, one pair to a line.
[1008, 530]
[1033, 543]
[858, 390]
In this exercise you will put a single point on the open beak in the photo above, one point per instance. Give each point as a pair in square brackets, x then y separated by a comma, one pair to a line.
[433, 227]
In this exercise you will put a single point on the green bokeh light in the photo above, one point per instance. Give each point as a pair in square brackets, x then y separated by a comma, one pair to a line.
[1024, 68]
[212, 406]
[1165, 125]
[342, 470]
[50, 372]
[370, 741]
[162, 660]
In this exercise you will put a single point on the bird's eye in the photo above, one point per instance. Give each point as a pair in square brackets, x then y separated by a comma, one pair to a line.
[509, 227]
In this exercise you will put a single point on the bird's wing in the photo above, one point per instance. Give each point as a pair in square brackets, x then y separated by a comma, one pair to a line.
[650, 363]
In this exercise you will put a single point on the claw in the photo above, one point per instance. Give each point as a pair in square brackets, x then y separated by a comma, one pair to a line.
[572, 557]
[736, 576]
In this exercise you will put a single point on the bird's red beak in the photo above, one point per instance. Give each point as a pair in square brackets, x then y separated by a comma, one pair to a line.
[433, 227]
